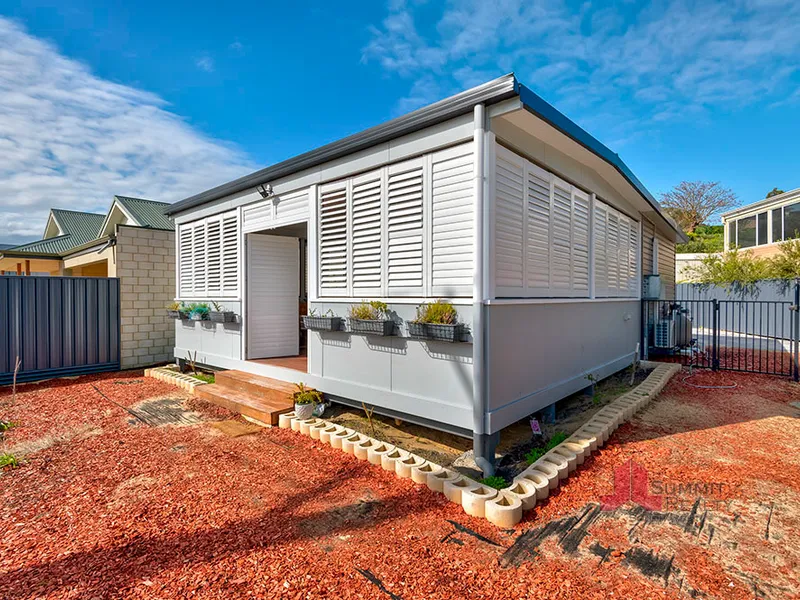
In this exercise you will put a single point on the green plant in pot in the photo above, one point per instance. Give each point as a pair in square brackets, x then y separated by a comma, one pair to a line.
[220, 315]
[305, 401]
[371, 318]
[198, 311]
[436, 321]
[176, 310]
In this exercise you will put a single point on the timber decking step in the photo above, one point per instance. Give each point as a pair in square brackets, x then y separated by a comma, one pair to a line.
[264, 407]
[253, 385]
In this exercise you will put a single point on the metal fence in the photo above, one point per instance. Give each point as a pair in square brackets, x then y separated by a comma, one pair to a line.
[58, 326]
[755, 336]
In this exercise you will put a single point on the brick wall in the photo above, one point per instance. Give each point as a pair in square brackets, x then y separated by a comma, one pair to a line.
[145, 265]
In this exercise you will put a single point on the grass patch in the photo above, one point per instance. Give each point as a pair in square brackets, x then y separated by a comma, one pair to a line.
[8, 460]
[536, 453]
[205, 377]
[495, 481]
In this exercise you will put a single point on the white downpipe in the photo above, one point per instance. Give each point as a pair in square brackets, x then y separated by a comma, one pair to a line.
[478, 325]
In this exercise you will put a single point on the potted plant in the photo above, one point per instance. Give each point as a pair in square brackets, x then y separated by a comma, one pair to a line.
[199, 311]
[176, 310]
[322, 322]
[371, 318]
[218, 315]
[436, 321]
[305, 401]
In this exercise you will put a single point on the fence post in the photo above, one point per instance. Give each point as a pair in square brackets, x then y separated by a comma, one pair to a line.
[796, 331]
[715, 336]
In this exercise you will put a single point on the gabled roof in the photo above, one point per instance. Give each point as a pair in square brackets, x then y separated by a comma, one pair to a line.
[492, 92]
[147, 213]
[51, 245]
[74, 229]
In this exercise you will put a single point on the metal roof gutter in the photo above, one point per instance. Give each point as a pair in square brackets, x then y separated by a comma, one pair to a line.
[548, 113]
[492, 92]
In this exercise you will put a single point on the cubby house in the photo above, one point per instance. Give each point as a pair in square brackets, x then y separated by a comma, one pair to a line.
[491, 199]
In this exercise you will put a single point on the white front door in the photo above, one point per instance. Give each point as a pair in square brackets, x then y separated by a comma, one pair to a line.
[273, 290]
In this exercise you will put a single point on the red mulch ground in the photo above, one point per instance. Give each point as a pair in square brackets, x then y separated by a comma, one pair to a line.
[109, 509]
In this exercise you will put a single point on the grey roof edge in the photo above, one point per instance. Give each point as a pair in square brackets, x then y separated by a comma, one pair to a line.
[763, 203]
[491, 92]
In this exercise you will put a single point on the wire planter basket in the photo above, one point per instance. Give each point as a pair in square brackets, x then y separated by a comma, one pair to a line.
[313, 323]
[382, 327]
[435, 331]
[225, 316]
[176, 314]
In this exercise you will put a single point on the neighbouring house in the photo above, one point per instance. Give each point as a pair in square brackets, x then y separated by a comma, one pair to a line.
[761, 226]
[537, 232]
[133, 241]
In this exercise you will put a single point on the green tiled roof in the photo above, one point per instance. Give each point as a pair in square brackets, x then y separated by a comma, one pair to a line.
[147, 212]
[81, 226]
[53, 245]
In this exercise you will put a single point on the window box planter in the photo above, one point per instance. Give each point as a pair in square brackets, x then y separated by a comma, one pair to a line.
[176, 314]
[322, 323]
[435, 331]
[225, 316]
[382, 327]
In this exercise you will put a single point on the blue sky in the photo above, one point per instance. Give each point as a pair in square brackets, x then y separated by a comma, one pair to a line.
[165, 99]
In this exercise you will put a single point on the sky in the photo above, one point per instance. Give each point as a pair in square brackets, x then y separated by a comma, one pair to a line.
[162, 100]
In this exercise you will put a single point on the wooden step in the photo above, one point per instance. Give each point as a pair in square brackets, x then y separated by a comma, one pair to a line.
[253, 385]
[265, 407]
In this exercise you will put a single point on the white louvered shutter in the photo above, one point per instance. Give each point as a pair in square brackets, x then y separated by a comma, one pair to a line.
[199, 259]
[229, 250]
[539, 216]
[600, 250]
[367, 236]
[405, 229]
[452, 222]
[509, 223]
[580, 243]
[333, 242]
[633, 260]
[612, 251]
[213, 257]
[185, 265]
[561, 239]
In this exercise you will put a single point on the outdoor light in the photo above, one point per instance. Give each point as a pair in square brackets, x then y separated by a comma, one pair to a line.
[265, 190]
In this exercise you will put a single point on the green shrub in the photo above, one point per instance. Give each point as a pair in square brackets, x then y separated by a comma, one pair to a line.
[495, 481]
[536, 453]
[439, 312]
[369, 311]
[8, 461]
[304, 395]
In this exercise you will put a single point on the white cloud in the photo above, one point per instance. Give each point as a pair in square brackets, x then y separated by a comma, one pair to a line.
[205, 63]
[640, 64]
[69, 139]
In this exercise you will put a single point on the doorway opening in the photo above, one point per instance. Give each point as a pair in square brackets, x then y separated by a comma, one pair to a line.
[277, 296]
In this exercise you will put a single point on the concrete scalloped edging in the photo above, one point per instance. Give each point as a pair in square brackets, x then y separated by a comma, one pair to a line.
[505, 507]
[168, 375]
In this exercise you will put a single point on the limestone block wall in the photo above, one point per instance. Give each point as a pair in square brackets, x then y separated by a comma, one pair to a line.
[145, 265]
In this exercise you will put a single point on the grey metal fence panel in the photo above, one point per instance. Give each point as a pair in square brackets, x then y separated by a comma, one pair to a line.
[58, 326]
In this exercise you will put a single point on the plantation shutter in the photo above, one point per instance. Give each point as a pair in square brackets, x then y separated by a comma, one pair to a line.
[600, 250]
[208, 252]
[538, 231]
[185, 266]
[405, 231]
[214, 257]
[580, 242]
[510, 200]
[452, 226]
[561, 247]
[333, 241]
[367, 234]
[230, 256]
[633, 260]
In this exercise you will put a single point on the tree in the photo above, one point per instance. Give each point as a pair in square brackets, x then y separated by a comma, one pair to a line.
[704, 239]
[691, 203]
[775, 192]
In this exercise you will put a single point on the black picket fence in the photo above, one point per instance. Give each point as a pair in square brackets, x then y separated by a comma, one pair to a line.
[753, 336]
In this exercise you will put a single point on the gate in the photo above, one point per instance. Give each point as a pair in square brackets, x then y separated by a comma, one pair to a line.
[58, 326]
[753, 336]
